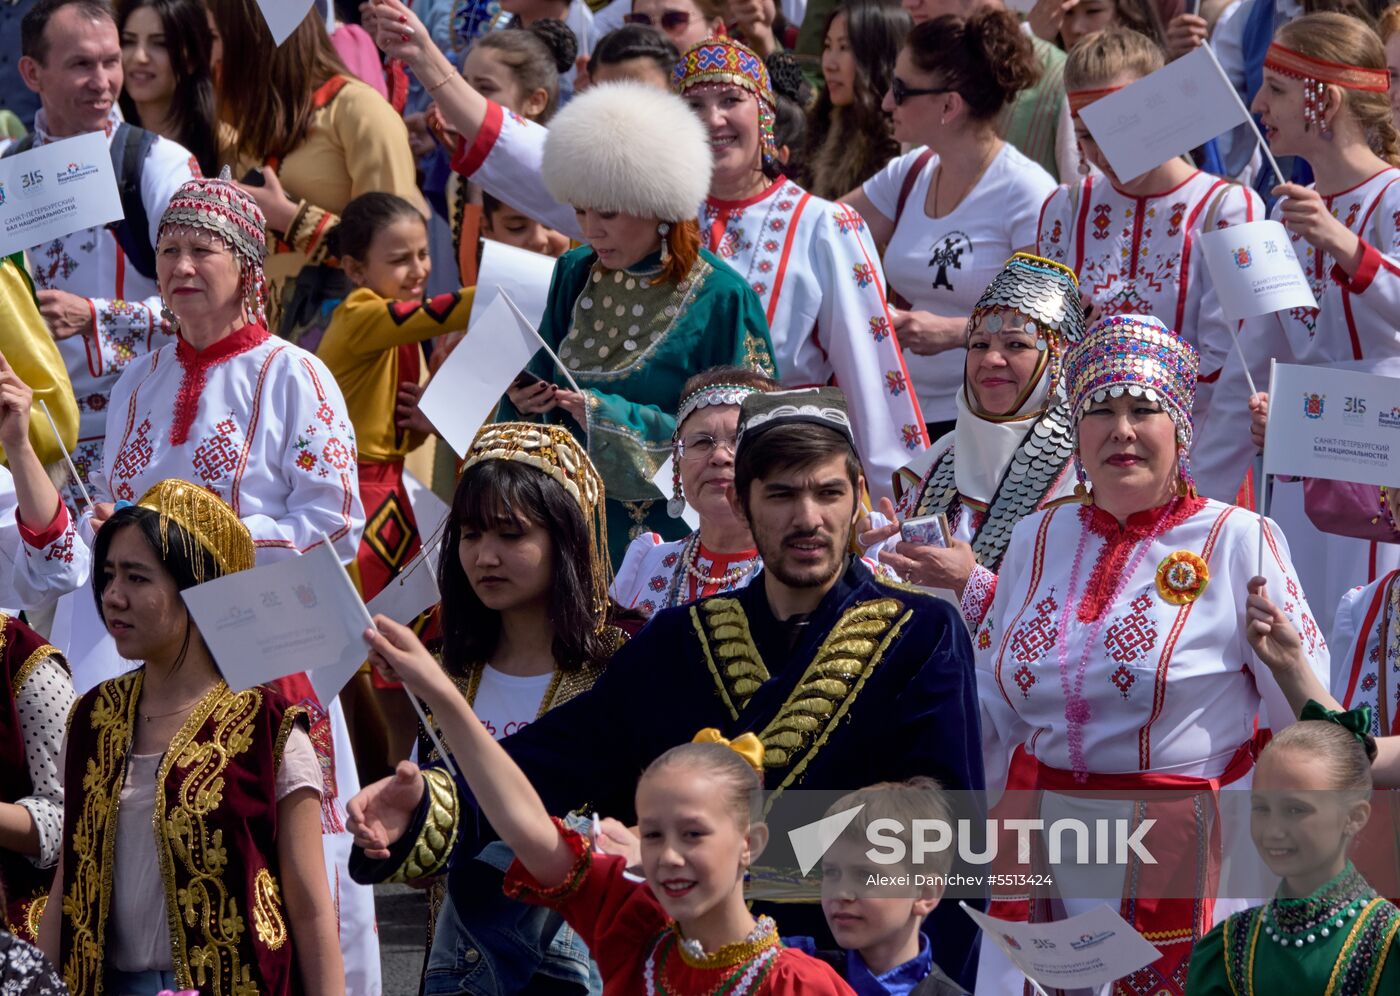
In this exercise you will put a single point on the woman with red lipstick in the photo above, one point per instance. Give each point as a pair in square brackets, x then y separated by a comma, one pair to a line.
[812, 262]
[1117, 652]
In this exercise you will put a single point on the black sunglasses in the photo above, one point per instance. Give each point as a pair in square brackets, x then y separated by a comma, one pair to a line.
[671, 20]
[900, 92]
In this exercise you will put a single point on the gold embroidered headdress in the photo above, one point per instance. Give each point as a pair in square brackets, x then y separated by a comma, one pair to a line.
[203, 519]
[554, 451]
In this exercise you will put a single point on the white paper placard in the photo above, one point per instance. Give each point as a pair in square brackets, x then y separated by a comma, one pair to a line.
[1340, 425]
[1255, 270]
[55, 190]
[283, 16]
[477, 372]
[1082, 952]
[663, 482]
[1166, 114]
[522, 274]
[298, 614]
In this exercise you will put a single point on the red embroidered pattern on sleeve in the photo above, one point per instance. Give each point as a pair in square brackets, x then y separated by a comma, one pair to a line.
[977, 595]
[520, 884]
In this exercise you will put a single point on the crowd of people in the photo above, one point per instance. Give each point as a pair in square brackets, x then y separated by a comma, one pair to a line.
[963, 519]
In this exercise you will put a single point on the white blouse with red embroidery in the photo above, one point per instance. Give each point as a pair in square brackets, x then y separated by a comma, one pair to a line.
[256, 420]
[1168, 680]
[1138, 255]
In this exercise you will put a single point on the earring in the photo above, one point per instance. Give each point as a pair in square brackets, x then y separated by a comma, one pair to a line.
[675, 505]
[664, 229]
[168, 316]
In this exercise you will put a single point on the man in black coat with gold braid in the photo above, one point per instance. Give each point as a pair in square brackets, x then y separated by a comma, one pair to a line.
[847, 680]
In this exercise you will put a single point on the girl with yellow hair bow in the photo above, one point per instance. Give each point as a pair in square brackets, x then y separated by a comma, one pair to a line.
[686, 928]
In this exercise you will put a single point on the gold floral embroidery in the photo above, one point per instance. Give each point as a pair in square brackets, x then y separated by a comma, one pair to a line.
[34, 660]
[267, 910]
[827, 689]
[33, 916]
[214, 966]
[94, 832]
[723, 630]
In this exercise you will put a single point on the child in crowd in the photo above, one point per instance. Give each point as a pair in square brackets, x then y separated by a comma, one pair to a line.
[884, 950]
[1326, 930]
[372, 347]
[686, 928]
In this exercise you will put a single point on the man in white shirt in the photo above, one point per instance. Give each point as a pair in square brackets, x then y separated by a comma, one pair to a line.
[97, 294]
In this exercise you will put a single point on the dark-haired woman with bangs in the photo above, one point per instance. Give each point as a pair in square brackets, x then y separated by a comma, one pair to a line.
[191, 850]
[523, 575]
[849, 137]
[167, 87]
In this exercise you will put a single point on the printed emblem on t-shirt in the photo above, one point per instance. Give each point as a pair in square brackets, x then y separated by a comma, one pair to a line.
[947, 254]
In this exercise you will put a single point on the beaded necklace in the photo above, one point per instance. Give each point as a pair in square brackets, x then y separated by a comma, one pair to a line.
[688, 566]
[1299, 922]
[1077, 710]
[751, 959]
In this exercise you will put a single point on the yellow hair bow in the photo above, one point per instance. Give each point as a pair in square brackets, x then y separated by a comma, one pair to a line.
[746, 745]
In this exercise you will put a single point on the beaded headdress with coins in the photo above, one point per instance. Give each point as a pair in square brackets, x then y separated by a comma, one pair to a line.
[206, 521]
[1046, 294]
[218, 206]
[1139, 356]
[553, 450]
[726, 62]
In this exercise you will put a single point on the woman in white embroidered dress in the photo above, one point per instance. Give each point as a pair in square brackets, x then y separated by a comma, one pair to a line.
[812, 262]
[720, 555]
[1116, 650]
[1324, 99]
[1133, 244]
[262, 424]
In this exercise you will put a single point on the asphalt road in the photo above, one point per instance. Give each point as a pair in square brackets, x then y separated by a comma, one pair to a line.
[403, 915]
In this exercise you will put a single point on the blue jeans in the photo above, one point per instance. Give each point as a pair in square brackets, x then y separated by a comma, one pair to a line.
[495, 946]
[138, 983]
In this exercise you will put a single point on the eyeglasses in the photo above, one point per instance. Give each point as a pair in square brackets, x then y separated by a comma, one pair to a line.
[702, 446]
[901, 92]
[671, 20]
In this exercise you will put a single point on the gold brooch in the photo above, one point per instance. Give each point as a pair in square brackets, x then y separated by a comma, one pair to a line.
[1181, 577]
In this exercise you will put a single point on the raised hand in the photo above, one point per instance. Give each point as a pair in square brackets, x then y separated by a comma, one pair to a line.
[66, 314]
[16, 400]
[1258, 417]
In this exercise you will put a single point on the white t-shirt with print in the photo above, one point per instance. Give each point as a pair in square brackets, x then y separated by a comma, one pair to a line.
[506, 703]
[942, 265]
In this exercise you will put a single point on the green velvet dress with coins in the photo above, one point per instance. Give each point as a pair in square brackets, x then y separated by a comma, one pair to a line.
[631, 345]
[1339, 941]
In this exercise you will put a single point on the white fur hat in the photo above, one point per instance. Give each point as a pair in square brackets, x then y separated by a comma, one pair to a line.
[628, 147]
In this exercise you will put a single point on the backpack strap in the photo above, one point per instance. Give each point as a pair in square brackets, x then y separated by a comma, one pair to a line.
[129, 149]
[905, 189]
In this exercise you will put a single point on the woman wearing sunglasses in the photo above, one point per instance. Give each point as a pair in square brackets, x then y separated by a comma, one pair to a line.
[950, 213]
[685, 22]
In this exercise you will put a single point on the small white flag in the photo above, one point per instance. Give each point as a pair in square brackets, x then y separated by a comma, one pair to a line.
[1167, 114]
